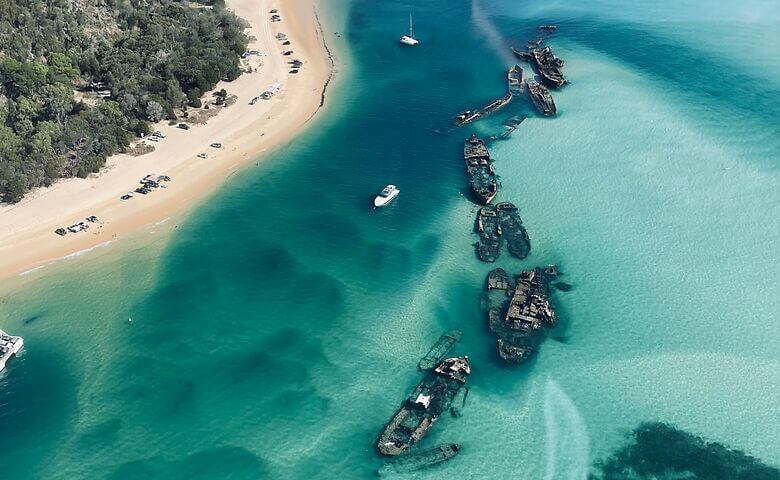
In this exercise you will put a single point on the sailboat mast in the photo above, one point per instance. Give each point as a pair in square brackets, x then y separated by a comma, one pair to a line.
[411, 30]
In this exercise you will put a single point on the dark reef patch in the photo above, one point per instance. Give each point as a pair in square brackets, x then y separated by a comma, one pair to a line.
[321, 293]
[425, 251]
[384, 260]
[33, 318]
[223, 462]
[100, 435]
[660, 451]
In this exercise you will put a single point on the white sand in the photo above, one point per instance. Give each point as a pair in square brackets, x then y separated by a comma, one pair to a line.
[27, 237]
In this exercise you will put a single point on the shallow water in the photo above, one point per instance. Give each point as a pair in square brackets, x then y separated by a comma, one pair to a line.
[279, 330]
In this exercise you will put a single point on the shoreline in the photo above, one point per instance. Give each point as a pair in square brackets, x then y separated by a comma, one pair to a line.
[247, 132]
[330, 58]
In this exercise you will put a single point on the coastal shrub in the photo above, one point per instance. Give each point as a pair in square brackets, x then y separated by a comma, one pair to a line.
[132, 62]
[193, 98]
[154, 111]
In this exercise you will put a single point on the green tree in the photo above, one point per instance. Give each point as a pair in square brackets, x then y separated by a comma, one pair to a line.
[42, 152]
[155, 57]
[57, 102]
[10, 165]
[61, 66]
[154, 111]
[193, 98]
[22, 79]
[21, 114]
[173, 94]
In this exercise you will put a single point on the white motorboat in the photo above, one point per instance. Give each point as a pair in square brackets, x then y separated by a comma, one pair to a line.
[9, 345]
[386, 196]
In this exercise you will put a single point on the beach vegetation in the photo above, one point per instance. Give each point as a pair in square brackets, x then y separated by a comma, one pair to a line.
[80, 79]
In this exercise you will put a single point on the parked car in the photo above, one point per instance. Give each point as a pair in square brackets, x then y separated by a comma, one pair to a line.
[61, 232]
[216, 145]
[183, 126]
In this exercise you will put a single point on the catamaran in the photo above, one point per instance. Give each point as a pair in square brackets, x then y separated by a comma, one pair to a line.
[409, 39]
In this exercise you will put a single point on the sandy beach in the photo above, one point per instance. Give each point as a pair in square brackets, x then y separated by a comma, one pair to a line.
[27, 238]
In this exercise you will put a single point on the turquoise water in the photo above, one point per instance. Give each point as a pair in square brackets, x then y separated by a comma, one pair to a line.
[278, 331]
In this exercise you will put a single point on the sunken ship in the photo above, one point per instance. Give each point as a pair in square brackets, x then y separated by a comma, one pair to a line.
[469, 116]
[439, 350]
[527, 56]
[497, 225]
[542, 99]
[419, 460]
[489, 230]
[512, 229]
[482, 176]
[514, 79]
[549, 66]
[425, 404]
[520, 325]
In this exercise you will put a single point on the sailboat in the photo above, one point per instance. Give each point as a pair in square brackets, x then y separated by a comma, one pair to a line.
[409, 39]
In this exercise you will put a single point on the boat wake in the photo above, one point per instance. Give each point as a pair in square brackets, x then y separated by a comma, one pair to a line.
[568, 444]
[486, 26]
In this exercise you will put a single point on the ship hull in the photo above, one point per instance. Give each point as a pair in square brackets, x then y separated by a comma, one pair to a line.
[551, 81]
[439, 350]
[489, 231]
[423, 459]
[522, 55]
[515, 80]
[432, 396]
[546, 110]
[542, 99]
[549, 67]
[521, 329]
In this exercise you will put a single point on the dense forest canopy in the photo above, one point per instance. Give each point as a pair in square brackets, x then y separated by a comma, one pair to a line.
[148, 59]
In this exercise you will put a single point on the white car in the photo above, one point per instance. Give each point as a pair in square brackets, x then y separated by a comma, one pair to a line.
[203, 155]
